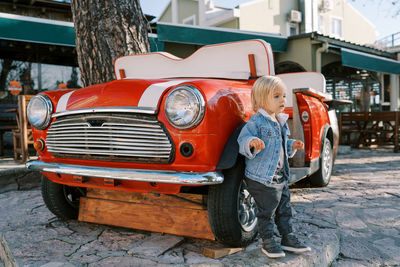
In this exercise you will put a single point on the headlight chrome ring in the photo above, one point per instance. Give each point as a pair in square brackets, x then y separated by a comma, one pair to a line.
[184, 107]
[39, 111]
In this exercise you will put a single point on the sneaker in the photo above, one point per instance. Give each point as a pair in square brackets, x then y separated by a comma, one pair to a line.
[272, 248]
[292, 244]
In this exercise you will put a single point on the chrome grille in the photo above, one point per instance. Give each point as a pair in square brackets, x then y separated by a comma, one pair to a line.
[115, 137]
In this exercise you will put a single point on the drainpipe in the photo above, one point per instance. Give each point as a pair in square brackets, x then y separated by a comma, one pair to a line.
[318, 55]
[305, 6]
[202, 12]
[174, 10]
[314, 14]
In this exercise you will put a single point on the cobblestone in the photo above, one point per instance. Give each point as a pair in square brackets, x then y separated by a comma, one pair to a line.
[355, 221]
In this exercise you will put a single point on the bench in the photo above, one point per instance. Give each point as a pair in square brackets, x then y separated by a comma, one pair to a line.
[367, 128]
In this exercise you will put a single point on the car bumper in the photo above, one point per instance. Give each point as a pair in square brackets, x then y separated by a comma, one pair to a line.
[171, 177]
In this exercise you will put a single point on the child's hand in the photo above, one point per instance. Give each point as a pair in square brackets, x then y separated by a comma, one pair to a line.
[297, 145]
[257, 144]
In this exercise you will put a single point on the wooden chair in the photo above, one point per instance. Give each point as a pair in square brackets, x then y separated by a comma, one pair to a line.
[22, 136]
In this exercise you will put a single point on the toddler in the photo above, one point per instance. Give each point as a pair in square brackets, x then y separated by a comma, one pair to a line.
[265, 144]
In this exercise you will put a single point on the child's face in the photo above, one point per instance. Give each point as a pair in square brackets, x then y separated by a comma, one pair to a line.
[276, 104]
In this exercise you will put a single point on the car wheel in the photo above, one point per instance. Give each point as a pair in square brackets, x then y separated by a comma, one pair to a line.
[232, 210]
[61, 200]
[322, 177]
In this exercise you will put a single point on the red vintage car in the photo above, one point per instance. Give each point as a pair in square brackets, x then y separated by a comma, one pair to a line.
[168, 125]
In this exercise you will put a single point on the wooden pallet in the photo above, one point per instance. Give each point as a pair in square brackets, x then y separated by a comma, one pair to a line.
[181, 214]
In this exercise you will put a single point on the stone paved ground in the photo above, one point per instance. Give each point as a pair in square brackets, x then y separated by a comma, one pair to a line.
[355, 221]
[363, 203]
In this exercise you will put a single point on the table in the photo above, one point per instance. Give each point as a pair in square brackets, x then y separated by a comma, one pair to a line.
[367, 128]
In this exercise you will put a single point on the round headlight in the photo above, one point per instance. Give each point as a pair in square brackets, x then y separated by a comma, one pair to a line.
[39, 111]
[184, 107]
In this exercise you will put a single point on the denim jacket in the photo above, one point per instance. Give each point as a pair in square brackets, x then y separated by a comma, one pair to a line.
[261, 165]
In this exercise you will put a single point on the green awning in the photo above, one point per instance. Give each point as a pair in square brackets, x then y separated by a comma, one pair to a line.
[188, 34]
[155, 44]
[360, 60]
[44, 31]
[35, 30]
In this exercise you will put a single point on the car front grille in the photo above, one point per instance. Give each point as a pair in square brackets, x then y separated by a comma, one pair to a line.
[110, 137]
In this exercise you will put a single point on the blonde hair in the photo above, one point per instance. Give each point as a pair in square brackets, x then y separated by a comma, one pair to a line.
[263, 90]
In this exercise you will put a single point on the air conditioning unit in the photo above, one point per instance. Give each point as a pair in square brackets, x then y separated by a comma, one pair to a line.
[295, 16]
[327, 5]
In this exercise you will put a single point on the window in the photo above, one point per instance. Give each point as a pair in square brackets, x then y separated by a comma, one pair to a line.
[292, 28]
[190, 20]
[336, 27]
[321, 25]
[41, 76]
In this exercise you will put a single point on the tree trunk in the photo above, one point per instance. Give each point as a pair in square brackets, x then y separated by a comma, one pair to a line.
[106, 30]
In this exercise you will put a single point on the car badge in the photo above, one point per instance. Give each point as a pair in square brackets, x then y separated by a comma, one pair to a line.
[305, 116]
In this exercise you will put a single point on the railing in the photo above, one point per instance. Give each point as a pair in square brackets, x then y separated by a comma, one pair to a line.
[390, 41]
[368, 128]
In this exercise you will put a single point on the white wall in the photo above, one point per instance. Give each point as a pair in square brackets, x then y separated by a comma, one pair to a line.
[355, 27]
[266, 15]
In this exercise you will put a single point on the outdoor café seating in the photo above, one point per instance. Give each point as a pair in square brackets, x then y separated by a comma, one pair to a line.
[13, 119]
[22, 135]
[364, 129]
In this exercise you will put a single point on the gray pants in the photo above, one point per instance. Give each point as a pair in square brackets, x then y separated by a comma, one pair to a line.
[273, 203]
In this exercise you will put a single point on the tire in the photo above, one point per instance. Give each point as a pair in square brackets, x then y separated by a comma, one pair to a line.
[232, 210]
[322, 177]
[61, 200]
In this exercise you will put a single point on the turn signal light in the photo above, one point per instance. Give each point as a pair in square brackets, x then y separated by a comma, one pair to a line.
[39, 145]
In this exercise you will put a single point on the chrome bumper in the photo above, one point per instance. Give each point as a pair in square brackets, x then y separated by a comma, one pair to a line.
[171, 177]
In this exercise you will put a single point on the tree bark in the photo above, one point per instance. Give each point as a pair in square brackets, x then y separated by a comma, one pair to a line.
[106, 30]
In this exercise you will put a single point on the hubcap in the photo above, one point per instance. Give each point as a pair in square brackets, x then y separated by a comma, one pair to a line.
[327, 161]
[72, 195]
[247, 209]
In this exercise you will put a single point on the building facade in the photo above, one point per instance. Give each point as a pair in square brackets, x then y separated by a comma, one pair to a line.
[334, 18]
[322, 36]
[37, 46]
[358, 72]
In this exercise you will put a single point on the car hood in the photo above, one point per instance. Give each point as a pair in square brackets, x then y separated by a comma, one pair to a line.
[119, 93]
